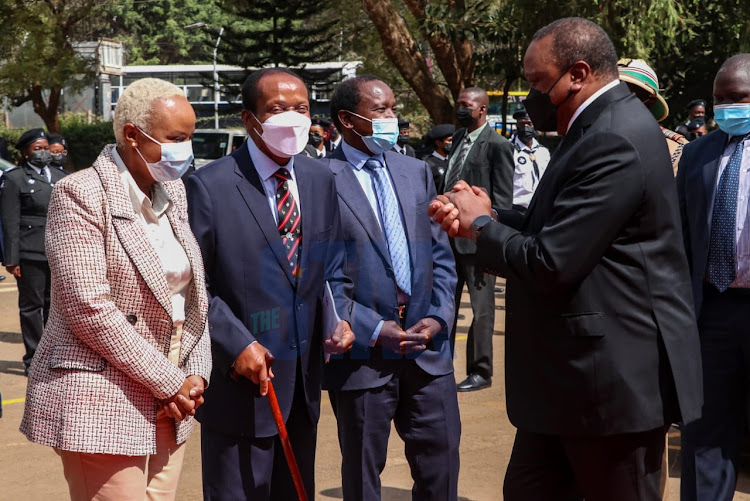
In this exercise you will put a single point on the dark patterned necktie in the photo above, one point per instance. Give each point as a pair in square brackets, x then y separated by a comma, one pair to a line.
[721, 251]
[290, 227]
[455, 172]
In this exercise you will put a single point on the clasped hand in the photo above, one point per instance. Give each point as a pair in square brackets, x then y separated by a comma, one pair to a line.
[414, 339]
[187, 400]
[456, 210]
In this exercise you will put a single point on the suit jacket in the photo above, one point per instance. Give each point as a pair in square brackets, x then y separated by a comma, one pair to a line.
[438, 168]
[696, 189]
[24, 202]
[368, 264]
[409, 151]
[488, 165]
[252, 293]
[101, 366]
[600, 330]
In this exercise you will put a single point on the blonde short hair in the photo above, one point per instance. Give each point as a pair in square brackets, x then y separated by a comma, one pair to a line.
[136, 104]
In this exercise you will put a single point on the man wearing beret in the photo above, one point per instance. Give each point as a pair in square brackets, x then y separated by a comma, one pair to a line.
[696, 108]
[402, 144]
[531, 159]
[440, 138]
[24, 199]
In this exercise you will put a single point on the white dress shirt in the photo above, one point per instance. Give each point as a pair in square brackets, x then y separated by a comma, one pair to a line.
[152, 215]
[742, 232]
[525, 179]
[266, 168]
[439, 156]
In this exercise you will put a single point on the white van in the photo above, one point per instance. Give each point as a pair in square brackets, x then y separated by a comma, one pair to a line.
[212, 144]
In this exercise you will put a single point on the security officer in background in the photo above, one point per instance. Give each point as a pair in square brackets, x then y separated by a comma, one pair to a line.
[696, 108]
[58, 151]
[24, 199]
[643, 82]
[530, 158]
[402, 145]
[440, 138]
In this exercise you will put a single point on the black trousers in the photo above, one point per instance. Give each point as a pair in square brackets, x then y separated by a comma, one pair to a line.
[255, 469]
[424, 410]
[33, 304]
[711, 446]
[610, 468]
[482, 296]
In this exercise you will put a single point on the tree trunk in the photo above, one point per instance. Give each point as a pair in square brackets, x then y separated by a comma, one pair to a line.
[47, 110]
[400, 48]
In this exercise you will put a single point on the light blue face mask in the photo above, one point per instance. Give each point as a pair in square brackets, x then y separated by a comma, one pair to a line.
[384, 134]
[734, 119]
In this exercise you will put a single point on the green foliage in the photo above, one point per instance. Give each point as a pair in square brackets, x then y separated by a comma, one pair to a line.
[85, 140]
[11, 136]
[154, 32]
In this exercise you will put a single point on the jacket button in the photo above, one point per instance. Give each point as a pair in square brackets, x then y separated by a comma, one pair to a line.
[293, 345]
[299, 306]
[132, 319]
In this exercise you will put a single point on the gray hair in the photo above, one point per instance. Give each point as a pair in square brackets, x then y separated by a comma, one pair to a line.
[135, 105]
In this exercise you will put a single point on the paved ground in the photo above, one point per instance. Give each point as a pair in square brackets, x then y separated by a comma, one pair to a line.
[31, 472]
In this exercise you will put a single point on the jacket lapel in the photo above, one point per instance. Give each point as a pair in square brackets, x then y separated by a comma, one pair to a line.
[130, 232]
[350, 191]
[251, 189]
[711, 172]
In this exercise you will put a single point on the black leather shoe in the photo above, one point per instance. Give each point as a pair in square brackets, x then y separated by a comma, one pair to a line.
[473, 383]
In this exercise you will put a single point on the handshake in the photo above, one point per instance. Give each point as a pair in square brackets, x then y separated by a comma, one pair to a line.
[184, 404]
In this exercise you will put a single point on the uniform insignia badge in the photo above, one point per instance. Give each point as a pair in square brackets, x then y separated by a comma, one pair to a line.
[522, 160]
[532, 157]
[31, 181]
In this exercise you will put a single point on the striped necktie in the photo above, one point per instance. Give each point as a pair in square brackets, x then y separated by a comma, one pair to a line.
[290, 227]
[455, 171]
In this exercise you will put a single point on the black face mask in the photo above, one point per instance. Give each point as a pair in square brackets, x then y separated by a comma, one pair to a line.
[315, 140]
[464, 117]
[39, 158]
[542, 111]
[447, 147]
[58, 159]
[402, 139]
[334, 134]
[526, 133]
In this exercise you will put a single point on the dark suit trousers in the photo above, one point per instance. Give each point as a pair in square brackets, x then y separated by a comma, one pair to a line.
[482, 296]
[424, 410]
[610, 468]
[711, 445]
[237, 468]
[33, 304]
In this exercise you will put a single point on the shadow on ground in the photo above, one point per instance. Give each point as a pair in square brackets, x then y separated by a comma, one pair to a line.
[14, 368]
[11, 337]
[387, 494]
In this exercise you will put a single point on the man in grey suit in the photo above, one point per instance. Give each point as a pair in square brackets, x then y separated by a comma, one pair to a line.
[481, 157]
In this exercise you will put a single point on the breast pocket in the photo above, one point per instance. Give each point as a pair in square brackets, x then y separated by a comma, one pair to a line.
[75, 357]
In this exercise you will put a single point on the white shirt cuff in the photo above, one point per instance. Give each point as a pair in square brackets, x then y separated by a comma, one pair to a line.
[376, 333]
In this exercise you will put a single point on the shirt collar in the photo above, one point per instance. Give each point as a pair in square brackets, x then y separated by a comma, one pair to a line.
[522, 145]
[264, 165]
[161, 201]
[438, 155]
[591, 99]
[358, 158]
[475, 134]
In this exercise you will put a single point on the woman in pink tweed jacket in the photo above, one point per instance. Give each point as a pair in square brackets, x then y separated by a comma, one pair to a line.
[126, 355]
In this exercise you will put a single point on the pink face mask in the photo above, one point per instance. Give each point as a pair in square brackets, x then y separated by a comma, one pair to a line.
[285, 134]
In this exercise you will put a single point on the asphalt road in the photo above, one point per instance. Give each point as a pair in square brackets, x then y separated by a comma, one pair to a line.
[30, 472]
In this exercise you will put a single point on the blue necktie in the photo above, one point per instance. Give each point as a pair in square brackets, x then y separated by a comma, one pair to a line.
[721, 251]
[390, 218]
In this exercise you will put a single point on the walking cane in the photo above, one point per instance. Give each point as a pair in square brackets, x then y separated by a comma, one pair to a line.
[283, 436]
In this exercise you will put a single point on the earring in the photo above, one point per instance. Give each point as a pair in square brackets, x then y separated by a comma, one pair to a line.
[133, 144]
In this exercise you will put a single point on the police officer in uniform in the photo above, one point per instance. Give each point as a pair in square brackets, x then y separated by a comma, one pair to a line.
[530, 158]
[24, 199]
[440, 138]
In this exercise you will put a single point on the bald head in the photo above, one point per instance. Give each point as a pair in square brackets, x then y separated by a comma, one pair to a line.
[732, 82]
[478, 94]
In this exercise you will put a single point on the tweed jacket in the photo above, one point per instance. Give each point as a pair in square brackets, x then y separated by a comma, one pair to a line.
[101, 368]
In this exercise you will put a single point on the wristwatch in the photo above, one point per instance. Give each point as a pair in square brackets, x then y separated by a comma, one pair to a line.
[478, 224]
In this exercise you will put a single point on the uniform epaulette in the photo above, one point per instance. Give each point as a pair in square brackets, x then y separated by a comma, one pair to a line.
[674, 136]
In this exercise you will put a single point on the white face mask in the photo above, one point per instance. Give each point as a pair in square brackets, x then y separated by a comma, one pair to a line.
[285, 134]
[176, 158]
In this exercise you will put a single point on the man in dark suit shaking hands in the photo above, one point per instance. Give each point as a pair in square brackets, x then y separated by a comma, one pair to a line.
[713, 184]
[267, 221]
[484, 158]
[602, 350]
[400, 369]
